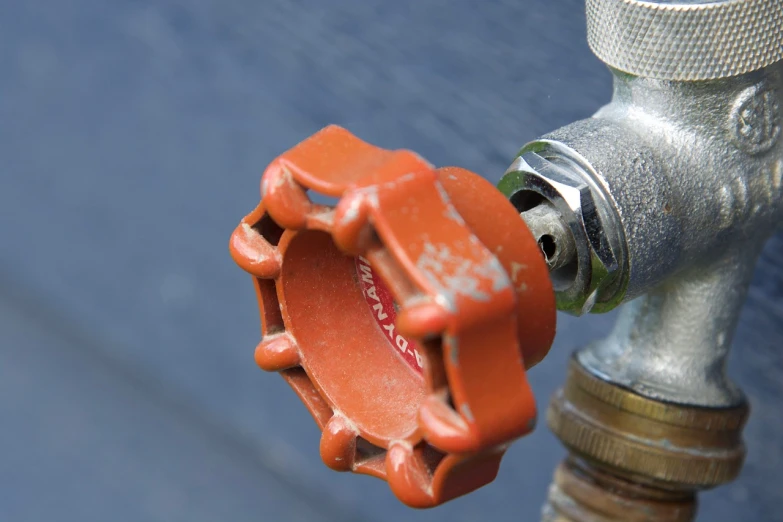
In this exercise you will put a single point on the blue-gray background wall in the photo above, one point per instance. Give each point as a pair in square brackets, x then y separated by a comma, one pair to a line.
[132, 138]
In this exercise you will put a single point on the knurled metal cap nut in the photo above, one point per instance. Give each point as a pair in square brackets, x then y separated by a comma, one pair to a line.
[665, 444]
[687, 40]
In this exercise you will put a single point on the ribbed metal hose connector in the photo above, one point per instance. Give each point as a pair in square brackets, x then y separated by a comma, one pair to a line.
[633, 458]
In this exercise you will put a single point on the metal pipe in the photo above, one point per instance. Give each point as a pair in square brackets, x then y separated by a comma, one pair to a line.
[672, 343]
[668, 192]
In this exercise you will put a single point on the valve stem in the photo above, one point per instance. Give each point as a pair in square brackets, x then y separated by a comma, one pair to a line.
[553, 236]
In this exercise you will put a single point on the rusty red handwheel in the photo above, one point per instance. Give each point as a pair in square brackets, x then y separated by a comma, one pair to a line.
[404, 317]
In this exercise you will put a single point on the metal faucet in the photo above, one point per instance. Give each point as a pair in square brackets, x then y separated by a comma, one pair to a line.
[662, 200]
[406, 315]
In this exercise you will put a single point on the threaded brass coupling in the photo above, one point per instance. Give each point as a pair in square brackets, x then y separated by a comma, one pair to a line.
[637, 452]
[581, 492]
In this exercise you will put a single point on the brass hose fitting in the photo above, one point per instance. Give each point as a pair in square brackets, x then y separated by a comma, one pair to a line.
[636, 458]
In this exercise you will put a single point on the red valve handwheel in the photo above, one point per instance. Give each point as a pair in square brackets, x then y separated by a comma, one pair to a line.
[404, 317]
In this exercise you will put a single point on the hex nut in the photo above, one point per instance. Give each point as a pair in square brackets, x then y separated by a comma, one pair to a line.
[590, 279]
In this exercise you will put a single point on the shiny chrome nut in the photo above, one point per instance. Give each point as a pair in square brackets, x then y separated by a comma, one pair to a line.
[595, 276]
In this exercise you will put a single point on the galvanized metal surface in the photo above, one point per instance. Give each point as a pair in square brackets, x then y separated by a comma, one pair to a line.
[132, 134]
[692, 175]
[672, 343]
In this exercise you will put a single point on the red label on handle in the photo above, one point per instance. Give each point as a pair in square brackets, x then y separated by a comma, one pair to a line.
[384, 310]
